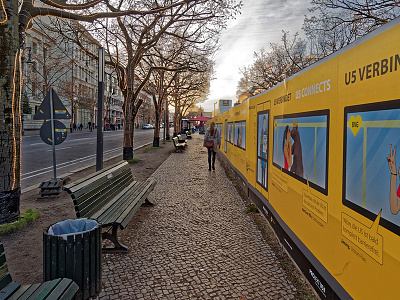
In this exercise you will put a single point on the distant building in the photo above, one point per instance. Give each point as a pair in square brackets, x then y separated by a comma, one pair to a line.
[224, 105]
[51, 60]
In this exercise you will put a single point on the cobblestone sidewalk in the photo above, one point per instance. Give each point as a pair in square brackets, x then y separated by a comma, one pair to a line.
[196, 242]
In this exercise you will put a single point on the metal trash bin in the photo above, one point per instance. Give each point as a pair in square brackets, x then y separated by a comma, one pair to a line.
[72, 249]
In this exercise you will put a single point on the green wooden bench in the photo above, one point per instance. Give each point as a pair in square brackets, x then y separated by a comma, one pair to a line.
[111, 197]
[178, 146]
[61, 288]
[182, 138]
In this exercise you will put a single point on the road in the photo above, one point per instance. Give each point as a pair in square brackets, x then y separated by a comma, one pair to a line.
[77, 151]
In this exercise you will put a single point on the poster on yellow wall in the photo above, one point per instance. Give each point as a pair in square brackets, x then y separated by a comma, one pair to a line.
[371, 174]
[230, 133]
[262, 149]
[301, 147]
[226, 136]
[240, 134]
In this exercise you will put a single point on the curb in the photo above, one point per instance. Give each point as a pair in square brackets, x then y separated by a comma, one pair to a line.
[32, 187]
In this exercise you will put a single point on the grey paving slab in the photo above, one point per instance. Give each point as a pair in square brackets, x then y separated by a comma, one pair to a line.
[195, 243]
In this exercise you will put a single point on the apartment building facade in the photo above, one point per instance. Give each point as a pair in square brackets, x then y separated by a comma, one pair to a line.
[52, 60]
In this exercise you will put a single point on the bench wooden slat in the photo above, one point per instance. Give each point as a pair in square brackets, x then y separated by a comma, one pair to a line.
[93, 183]
[21, 291]
[110, 215]
[86, 205]
[70, 292]
[115, 212]
[5, 277]
[123, 220]
[71, 188]
[133, 185]
[2, 258]
[66, 289]
[94, 188]
[44, 289]
[9, 289]
[97, 201]
[40, 288]
[78, 185]
[28, 292]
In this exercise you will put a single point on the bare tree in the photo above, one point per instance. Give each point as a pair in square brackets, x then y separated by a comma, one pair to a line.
[337, 23]
[174, 55]
[194, 112]
[15, 18]
[195, 23]
[189, 89]
[130, 38]
[270, 68]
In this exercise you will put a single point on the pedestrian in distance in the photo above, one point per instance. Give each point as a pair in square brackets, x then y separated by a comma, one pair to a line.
[74, 126]
[212, 134]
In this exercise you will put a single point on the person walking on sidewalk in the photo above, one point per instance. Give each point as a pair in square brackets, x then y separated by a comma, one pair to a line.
[212, 134]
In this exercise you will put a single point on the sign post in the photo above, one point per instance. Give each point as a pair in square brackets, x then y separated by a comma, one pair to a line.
[52, 132]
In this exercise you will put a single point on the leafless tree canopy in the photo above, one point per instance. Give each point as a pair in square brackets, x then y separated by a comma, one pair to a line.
[337, 23]
[270, 68]
[333, 25]
[131, 28]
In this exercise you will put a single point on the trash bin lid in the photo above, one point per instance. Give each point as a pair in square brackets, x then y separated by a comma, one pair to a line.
[72, 227]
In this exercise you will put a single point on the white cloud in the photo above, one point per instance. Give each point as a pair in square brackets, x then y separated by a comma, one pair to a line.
[260, 24]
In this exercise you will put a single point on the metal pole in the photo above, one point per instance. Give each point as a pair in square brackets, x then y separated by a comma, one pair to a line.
[165, 119]
[100, 95]
[22, 95]
[52, 133]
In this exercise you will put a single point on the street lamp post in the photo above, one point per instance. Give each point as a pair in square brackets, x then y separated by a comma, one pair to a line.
[99, 152]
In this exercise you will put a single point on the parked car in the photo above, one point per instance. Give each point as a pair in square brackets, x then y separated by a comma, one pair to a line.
[147, 126]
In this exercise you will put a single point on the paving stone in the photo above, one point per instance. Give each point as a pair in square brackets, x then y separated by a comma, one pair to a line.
[196, 240]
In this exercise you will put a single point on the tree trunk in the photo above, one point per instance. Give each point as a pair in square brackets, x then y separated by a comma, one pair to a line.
[166, 125]
[129, 127]
[156, 140]
[10, 117]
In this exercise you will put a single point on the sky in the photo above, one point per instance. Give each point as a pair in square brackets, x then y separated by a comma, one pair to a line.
[260, 23]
